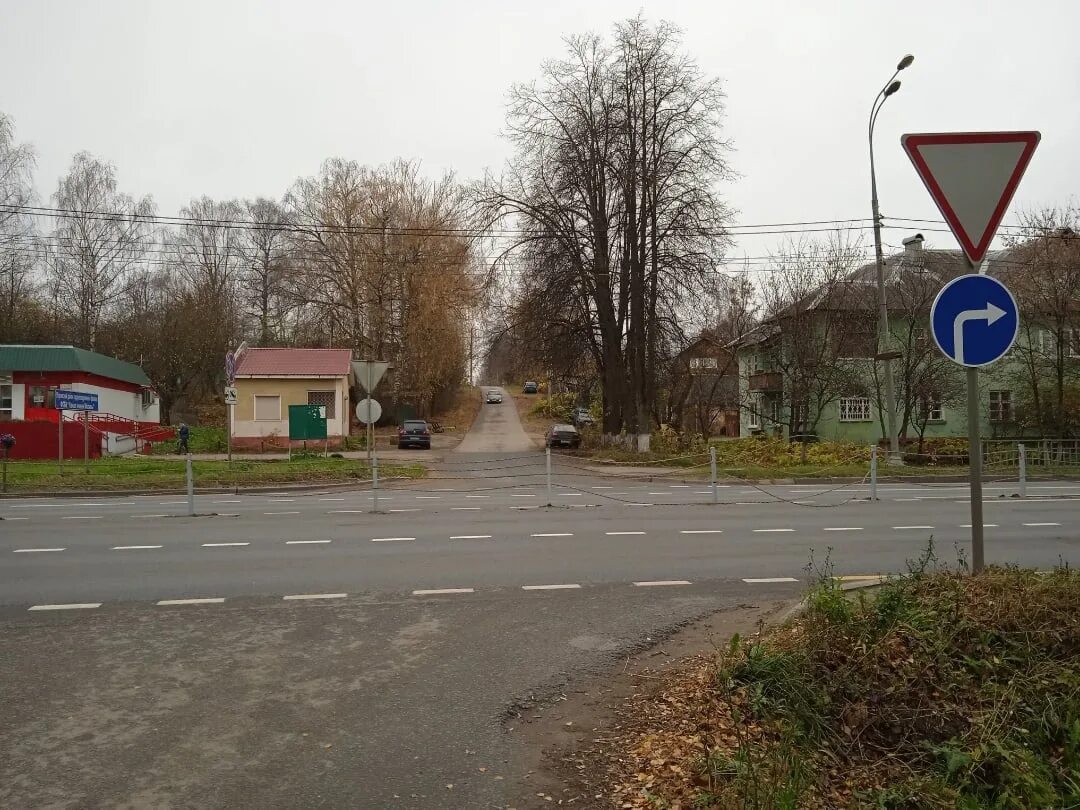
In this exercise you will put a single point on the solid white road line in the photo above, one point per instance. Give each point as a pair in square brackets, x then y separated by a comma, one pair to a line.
[616, 534]
[295, 596]
[132, 548]
[843, 529]
[470, 537]
[774, 530]
[34, 550]
[82, 517]
[902, 528]
[223, 545]
[661, 582]
[213, 600]
[72, 606]
[389, 539]
[304, 542]
[701, 531]
[437, 591]
[762, 580]
[1040, 524]
[552, 534]
[464, 508]
[569, 586]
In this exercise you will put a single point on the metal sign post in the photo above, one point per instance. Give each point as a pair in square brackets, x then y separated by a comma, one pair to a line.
[368, 373]
[60, 442]
[972, 177]
[86, 440]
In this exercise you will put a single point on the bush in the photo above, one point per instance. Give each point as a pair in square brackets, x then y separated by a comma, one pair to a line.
[558, 407]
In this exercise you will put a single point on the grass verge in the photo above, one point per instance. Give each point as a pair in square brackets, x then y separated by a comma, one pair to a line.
[143, 473]
[940, 690]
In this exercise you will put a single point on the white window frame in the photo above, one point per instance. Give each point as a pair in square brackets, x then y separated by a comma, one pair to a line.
[1006, 400]
[753, 414]
[9, 384]
[704, 363]
[932, 409]
[255, 407]
[864, 412]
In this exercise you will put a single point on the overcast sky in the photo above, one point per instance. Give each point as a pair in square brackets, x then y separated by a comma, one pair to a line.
[238, 99]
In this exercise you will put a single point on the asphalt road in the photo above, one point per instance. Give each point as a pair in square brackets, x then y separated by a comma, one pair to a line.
[288, 650]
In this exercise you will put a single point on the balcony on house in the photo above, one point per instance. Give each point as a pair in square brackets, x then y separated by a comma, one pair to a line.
[766, 381]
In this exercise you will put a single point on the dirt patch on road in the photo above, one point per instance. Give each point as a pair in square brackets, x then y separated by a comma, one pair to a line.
[563, 740]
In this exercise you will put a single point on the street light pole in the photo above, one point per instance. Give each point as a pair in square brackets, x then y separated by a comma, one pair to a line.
[885, 353]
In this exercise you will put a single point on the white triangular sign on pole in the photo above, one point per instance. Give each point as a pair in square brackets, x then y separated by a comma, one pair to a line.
[972, 177]
[369, 372]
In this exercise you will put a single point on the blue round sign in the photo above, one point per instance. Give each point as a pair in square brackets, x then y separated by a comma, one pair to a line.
[974, 320]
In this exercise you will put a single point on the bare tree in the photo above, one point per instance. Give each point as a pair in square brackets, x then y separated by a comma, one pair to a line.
[617, 157]
[103, 236]
[264, 277]
[1042, 267]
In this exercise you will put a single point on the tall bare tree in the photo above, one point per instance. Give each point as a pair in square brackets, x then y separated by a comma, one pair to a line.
[103, 236]
[613, 183]
[264, 277]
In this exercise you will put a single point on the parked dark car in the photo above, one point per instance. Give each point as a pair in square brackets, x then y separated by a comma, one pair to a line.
[530, 388]
[494, 397]
[414, 433]
[563, 436]
[582, 417]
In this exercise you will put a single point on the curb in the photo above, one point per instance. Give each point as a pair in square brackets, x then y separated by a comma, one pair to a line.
[800, 607]
[329, 486]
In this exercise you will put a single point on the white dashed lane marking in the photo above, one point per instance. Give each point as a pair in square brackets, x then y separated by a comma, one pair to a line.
[70, 606]
[470, 537]
[281, 513]
[402, 510]
[985, 525]
[224, 545]
[236, 501]
[438, 591]
[390, 539]
[302, 596]
[16, 518]
[348, 512]
[304, 542]
[210, 600]
[762, 580]
[661, 582]
[1040, 524]
[35, 550]
[552, 534]
[701, 531]
[567, 587]
[331, 499]
[428, 497]
[616, 534]
[133, 548]
[904, 528]
[774, 530]
[135, 517]
[842, 529]
[464, 508]
[81, 517]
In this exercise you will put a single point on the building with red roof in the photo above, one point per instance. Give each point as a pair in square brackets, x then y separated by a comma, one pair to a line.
[268, 381]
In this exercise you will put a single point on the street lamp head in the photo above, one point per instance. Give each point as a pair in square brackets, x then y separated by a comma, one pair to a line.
[892, 88]
[905, 62]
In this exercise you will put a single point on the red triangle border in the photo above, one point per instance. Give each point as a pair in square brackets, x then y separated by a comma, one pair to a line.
[975, 251]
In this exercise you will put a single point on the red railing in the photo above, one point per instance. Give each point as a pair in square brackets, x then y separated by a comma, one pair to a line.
[102, 423]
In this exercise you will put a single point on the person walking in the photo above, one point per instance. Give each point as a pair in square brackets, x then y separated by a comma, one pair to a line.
[182, 434]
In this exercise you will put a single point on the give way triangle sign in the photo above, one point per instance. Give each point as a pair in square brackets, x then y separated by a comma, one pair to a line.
[972, 177]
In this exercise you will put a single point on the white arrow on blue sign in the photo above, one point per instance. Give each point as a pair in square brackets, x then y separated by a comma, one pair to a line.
[974, 320]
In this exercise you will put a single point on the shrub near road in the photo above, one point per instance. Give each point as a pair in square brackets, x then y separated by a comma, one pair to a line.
[941, 691]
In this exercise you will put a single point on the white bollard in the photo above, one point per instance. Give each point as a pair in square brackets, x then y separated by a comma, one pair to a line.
[873, 472]
[190, 487]
[547, 461]
[712, 473]
[1022, 456]
[375, 482]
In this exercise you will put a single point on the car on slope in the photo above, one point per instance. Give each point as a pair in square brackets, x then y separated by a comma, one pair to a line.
[582, 417]
[414, 433]
[530, 387]
[562, 436]
[494, 397]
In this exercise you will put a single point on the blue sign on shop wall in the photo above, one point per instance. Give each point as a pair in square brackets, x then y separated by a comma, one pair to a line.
[75, 401]
[974, 320]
